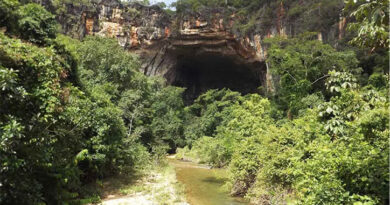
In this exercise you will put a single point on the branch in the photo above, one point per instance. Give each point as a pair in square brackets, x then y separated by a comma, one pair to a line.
[292, 76]
[325, 76]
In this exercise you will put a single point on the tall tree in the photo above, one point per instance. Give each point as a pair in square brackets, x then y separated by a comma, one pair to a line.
[372, 23]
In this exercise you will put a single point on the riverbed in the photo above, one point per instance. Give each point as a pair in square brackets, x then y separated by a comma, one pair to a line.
[204, 186]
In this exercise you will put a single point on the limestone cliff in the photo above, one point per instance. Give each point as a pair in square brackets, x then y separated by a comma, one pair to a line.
[167, 43]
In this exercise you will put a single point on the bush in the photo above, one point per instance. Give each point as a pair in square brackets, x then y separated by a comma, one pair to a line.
[335, 152]
[35, 24]
[7, 13]
[37, 147]
[55, 137]
[303, 65]
[207, 113]
[378, 80]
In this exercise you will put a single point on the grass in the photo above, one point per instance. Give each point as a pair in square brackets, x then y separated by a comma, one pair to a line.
[132, 189]
[92, 193]
[158, 184]
[170, 190]
[123, 184]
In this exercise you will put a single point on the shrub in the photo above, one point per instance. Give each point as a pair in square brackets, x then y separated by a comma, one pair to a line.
[36, 148]
[35, 24]
[378, 80]
[7, 12]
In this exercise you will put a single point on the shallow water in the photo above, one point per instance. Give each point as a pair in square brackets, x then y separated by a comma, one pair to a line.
[203, 186]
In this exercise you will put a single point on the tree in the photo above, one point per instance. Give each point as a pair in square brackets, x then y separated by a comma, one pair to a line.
[372, 23]
[303, 65]
[103, 61]
[204, 116]
[7, 12]
[37, 143]
[167, 122]
[143, 2]
[35, 23]
[162, 5]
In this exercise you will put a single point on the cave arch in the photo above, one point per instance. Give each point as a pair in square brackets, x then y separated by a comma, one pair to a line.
[199, 71]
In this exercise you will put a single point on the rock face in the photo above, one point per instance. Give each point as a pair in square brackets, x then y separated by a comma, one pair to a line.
[190, 51]
[134, 25]
[198, 51]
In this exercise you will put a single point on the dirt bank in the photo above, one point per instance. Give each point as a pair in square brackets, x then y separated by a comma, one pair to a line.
[159, 186]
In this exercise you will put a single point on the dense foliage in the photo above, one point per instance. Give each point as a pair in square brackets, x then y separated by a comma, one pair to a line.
[372, 23]
[34, 160]
[321, 137]
[302, 65]
[74, 112]
[30, 21]
[336, 152]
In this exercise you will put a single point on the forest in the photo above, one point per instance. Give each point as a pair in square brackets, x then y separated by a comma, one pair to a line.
[76, 111]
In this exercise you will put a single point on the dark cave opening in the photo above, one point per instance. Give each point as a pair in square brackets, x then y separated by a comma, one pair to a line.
[201, 72]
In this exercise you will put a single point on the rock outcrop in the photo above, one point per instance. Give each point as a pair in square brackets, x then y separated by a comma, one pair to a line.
[166, 43]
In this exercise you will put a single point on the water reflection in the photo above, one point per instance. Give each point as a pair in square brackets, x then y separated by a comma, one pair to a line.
[204, 186]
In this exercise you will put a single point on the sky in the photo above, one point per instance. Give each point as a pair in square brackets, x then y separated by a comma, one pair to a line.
[167, 2]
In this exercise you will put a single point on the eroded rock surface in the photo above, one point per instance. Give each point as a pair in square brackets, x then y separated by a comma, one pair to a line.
[178, 46]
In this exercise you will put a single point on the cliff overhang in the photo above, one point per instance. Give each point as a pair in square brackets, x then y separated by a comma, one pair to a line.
[196, 50]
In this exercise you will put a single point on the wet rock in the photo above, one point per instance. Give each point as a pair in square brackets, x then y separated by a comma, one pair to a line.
[239, 189]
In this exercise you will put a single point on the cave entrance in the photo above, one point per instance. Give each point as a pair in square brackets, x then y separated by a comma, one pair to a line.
[201, 72]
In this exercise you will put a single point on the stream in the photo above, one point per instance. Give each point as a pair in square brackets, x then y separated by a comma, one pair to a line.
[203, 186]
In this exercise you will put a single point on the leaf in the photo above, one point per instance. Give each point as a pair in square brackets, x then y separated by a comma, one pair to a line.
[81, 156]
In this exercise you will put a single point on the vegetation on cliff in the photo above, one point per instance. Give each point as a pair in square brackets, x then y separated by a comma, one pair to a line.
[75, 112]
[259, 16]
